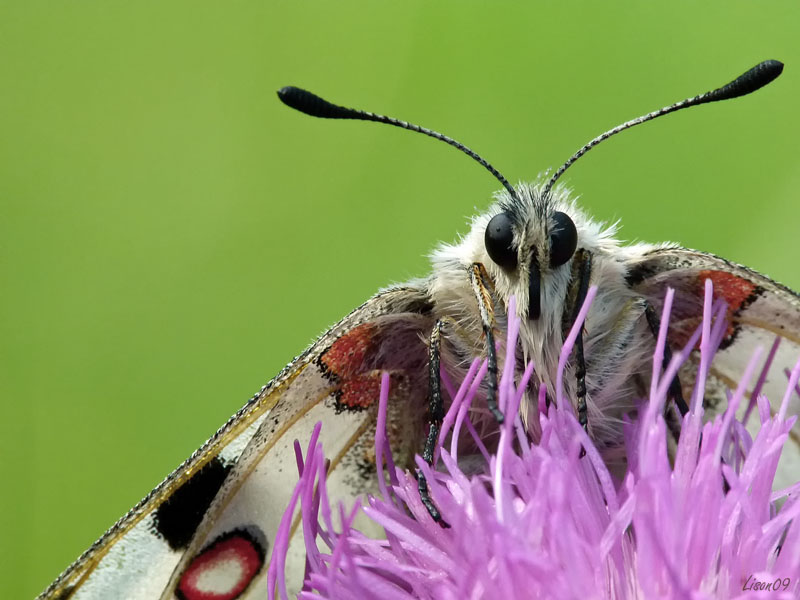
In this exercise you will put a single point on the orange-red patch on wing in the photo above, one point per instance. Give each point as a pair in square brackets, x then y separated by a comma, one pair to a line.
[360, 391]
[735, 291]
[347, 355]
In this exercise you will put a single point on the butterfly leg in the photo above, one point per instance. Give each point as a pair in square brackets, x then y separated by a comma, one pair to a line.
[674, 392]
[583, 260]
[478, 278]
[435, 416]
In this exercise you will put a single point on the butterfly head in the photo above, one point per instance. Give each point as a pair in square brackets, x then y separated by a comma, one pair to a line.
[527, 244]
[529, 240]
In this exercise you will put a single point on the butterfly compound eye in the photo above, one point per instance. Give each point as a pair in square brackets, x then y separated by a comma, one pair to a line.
[498, 240]
[563, 239]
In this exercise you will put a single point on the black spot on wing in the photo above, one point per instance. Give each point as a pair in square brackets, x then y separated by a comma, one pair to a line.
[659, 261]
[178, 517]
[639, 273]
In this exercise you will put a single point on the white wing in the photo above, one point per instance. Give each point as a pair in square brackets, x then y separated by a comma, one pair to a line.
[209, 525]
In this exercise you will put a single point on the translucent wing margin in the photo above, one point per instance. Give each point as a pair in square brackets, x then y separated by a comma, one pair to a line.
[759, 310]
[139, 555]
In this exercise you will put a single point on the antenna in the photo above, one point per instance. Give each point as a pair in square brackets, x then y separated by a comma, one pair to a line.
[756, 78]
[313, 105]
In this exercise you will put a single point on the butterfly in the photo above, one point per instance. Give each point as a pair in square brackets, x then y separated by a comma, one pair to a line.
[206, 531]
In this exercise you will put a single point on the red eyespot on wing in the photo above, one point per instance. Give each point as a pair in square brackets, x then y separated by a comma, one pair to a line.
[348, 355]
[224, 569]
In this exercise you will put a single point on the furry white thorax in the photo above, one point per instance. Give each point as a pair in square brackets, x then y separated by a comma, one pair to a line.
[615, 328]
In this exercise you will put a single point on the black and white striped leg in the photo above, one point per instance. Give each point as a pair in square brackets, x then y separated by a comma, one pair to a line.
[478, 278]
[584, 266]
[435, 416]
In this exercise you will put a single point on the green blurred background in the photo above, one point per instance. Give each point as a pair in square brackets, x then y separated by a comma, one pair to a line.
[171, 235]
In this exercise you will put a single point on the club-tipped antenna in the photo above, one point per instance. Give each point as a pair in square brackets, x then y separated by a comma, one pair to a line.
[313, 105]
[756, 78]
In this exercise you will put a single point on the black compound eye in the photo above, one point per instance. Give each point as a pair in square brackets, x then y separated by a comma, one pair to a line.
[498, 240]
[563, 239]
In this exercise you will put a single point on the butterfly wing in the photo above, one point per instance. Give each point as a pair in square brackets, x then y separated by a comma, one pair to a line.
[223, 504]
[759, 311]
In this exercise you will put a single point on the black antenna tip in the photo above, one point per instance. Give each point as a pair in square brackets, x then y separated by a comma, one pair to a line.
[754, 79]
[311, 104]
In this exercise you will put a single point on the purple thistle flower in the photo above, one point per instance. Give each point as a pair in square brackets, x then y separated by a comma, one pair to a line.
[541, 521]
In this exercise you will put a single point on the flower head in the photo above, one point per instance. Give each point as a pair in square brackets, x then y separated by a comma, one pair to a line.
[545, 520]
